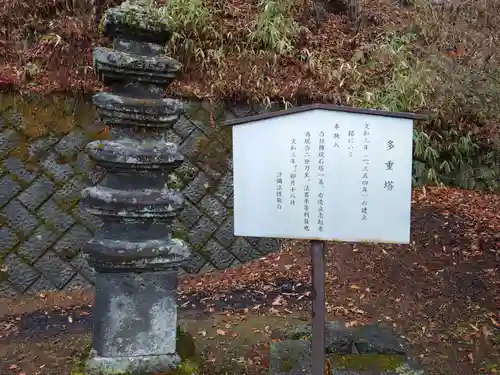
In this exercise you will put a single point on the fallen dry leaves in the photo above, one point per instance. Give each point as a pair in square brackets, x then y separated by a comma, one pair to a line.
[57, 54]
[440, 292]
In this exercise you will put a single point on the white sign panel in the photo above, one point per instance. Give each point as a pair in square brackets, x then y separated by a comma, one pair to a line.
[323, 174]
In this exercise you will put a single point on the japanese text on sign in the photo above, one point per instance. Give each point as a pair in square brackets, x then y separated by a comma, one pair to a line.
[338, 176]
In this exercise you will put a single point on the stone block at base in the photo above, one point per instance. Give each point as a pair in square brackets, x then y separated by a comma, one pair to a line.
[141, 365]
[366, 350]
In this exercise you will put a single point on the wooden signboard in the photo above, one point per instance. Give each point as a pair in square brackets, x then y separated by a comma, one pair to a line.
[322, 173]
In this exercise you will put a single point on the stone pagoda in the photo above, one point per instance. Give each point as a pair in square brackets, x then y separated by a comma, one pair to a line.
[134, 255]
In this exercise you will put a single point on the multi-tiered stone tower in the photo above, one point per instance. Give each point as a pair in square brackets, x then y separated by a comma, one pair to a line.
[134, 255]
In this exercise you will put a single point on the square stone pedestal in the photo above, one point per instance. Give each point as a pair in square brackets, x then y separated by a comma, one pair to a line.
[135, 324]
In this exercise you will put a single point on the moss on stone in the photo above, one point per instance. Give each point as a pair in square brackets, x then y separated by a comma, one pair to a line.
[79, 368]
[186, 174]
[67, 203]
[24, 184]
[364, 362]
[21, 236]
[23, 259]
[38, 115]
[185, 347]
[174, 182]
[180, 234]
[186, 367]
[138, 15]
[287, 364]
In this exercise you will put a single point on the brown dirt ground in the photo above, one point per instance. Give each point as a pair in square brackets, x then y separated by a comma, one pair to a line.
[440, 292]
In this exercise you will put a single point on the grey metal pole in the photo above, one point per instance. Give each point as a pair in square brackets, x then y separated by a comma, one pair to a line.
[318, 307]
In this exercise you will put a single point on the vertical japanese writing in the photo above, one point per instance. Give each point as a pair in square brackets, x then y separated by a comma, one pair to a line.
[279, 190]
[364, 172]
[350, 142]
[321, 179]
[336, 136]
[307, 179]
[389, 166]
[293, 173]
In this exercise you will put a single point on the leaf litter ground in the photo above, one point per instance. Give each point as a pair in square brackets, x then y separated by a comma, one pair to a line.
[440, 293]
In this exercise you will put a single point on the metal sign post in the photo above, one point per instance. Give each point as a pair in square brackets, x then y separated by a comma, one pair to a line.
[318, 307]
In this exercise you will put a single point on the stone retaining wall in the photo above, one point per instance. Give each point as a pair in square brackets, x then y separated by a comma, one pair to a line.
[42, 226]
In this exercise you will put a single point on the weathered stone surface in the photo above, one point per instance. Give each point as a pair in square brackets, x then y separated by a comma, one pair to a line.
[195, 263]
[190, 214]
[230, 202]
[115, 109]
[292, 355]
[197, 189]
[18, 168]
[183, 127]
[41, 285]
[55, 217]
[368, 339]
[225, 233]
[8, 240]
[80, 264]
[6, 290]
[37, 193]
[225, 187]
[89, 221]
[19, 218]
[267, 245]
[9, 138]
[187, 171]
[71, 144]
[143, 310]
[19, 273]
[201, 231]
[68, 195]
[54, 269]
[213, 208]
[71, 242]
[40, 195]
[377, 339]
[78, 282]
[38, 148]
[37, 244]
[116, 65]
[135, 255]
[55, 168]
[190, 145]
[135, 21]
[218, 255]
[243, 251]
[8, 189]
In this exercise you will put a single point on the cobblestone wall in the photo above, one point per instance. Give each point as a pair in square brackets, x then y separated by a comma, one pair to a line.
[42, 227]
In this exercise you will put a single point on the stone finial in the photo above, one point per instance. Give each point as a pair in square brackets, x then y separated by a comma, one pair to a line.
[134, 254]
[137, 20]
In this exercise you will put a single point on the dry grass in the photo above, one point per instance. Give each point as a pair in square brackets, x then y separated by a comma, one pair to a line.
[285, 50]
[428, 58]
